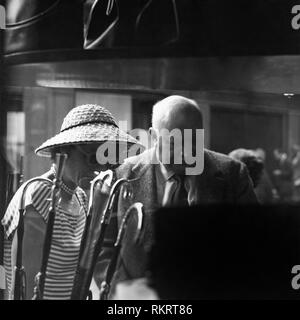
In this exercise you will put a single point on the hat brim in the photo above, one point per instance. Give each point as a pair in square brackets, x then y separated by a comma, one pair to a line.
[87, 133]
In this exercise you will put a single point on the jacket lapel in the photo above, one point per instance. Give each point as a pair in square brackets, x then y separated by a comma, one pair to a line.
[145, 185]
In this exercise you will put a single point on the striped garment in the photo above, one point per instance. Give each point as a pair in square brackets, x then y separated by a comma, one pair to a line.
[66, 238]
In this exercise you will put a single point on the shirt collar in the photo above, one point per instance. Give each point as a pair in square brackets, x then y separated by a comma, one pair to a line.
[164, 173]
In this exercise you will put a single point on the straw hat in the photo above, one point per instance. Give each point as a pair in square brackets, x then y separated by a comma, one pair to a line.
[88, 123]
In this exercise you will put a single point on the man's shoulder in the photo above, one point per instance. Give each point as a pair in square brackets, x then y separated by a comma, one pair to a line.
[138, 162]
[212, 158]
[220, 164]
[220, 159]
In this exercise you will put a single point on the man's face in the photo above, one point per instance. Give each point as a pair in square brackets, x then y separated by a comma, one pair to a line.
[180, 146]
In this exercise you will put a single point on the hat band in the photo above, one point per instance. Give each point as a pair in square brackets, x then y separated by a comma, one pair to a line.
[90, 122]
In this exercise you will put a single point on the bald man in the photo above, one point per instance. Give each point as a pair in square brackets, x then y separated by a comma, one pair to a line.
[177, 173]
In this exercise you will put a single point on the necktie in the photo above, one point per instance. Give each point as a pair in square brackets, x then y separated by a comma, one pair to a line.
[181, 194]
[175, 192]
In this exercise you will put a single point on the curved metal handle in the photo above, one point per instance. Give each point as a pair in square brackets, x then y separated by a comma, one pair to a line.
[27, 184]
[138, 208]
[19, 270]
[91, 44]
[134, 208]
[102, 176]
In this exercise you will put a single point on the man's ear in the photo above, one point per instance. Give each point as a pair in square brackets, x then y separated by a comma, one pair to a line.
[153, 134]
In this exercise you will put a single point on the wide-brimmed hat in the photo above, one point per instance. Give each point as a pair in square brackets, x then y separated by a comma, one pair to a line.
[88, 123]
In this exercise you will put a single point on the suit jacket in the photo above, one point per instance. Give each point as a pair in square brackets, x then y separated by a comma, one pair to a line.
[223, 180]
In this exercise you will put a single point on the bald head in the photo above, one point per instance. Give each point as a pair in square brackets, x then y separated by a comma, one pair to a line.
[178, 135]
[176, 112]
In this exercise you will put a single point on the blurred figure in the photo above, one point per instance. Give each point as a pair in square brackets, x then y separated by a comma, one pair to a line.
[254, 162]
[283, 176]
[265, 190]
[296, 172]
[261, 154]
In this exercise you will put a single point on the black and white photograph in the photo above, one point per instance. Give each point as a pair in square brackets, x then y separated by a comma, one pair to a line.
[150, 150]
